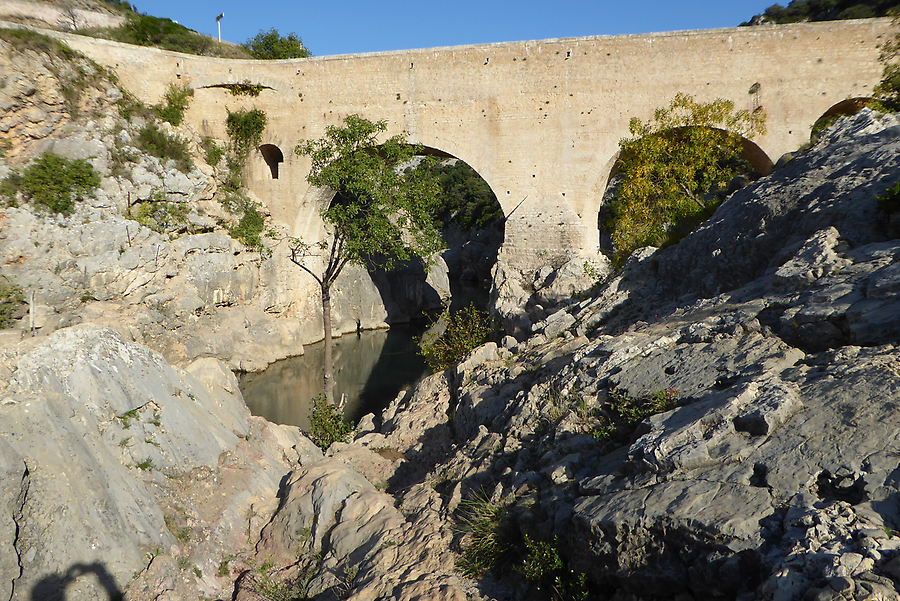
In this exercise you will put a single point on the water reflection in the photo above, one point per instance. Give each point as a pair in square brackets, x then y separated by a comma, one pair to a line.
[369, 369]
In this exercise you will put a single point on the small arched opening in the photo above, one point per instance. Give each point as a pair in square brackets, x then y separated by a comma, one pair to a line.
[272, 155]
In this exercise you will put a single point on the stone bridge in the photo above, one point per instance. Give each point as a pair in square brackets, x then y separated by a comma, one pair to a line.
[539, 120]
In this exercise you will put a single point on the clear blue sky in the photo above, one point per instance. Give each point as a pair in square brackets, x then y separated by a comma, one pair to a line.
[330, 27]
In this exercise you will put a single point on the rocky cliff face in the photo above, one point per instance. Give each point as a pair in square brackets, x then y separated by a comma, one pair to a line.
[123, 473]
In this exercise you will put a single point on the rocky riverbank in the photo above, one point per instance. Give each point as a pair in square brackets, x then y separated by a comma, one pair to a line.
[711, 423]
[716, 421]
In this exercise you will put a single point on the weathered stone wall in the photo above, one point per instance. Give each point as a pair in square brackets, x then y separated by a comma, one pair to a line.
[539, 120]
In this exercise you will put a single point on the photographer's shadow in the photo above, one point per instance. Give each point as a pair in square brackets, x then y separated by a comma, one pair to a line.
[53, 586]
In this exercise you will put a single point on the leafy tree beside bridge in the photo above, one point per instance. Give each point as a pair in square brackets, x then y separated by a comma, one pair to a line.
[670, 165]
[380, 215]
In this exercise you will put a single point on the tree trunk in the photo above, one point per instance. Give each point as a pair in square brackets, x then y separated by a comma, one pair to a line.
[326, 322]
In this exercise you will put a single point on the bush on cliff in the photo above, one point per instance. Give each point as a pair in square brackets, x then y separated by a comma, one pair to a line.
[465, 331]
[152, 140]
[11, 300]
[176, 102]
[53, 182]
[327, 424]
[270, 45]
[669, 167]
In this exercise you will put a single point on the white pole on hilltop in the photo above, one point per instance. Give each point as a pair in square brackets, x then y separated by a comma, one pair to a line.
[219, 24]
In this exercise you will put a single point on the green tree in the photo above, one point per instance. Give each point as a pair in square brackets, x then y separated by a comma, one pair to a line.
[466, 198]
[380, 215]
[270, 45]
[670, 165]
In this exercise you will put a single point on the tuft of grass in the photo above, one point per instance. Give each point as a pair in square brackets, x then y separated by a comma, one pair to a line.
[492, 537]
[146, 464]
[181, 533]
[224, 566]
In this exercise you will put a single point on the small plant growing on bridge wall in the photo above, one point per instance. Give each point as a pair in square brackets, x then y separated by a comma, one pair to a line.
[669, 167]
[176, 99]
[887, 92]
[245, 129]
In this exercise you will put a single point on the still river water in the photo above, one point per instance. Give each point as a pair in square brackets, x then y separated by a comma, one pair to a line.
[369, 369]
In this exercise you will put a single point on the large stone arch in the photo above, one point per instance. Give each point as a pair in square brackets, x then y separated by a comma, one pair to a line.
[542, 133]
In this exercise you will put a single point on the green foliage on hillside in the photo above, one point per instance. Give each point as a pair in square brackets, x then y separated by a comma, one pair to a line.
[160, 32]
[147, 30]
[152, 140]
[670, 167]
[826, 10]
[176, 99]
[73, 71]
[53, 182]
[270, 45]
[119, 4]
[466, 200]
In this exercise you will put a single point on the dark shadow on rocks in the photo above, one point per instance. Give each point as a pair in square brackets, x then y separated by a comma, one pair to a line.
[53, 586]
[420, 462]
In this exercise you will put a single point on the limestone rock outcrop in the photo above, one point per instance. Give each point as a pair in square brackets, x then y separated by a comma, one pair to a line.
[123, 473]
